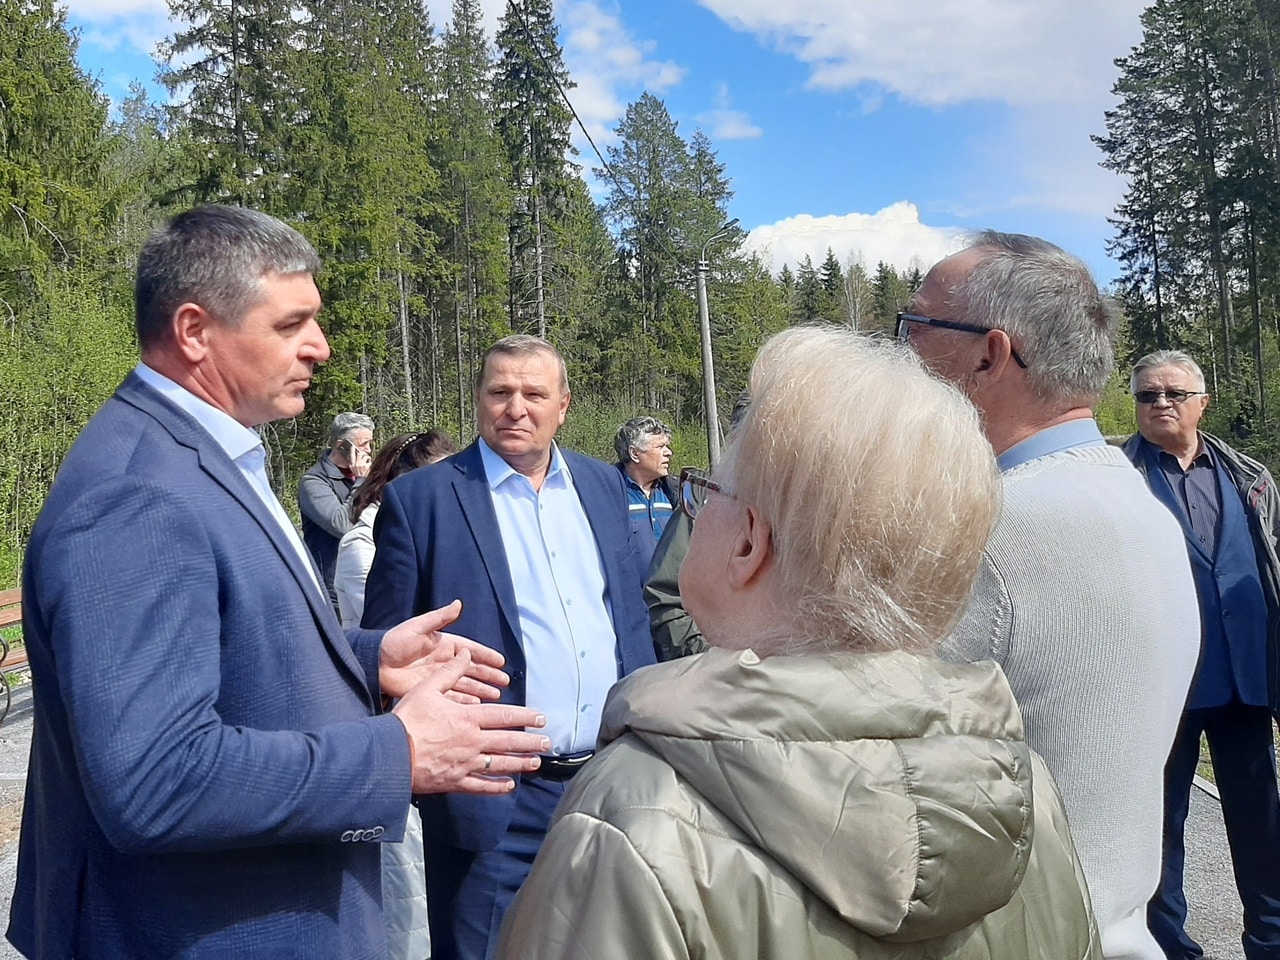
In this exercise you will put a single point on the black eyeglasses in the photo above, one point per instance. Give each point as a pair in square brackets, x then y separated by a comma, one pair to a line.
[1173, 396]
[694, 487]
[905, 318]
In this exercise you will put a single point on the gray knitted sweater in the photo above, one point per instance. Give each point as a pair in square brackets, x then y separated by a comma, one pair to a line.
[1085, 598]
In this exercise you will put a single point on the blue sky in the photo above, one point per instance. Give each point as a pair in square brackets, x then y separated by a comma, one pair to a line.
[883, 130]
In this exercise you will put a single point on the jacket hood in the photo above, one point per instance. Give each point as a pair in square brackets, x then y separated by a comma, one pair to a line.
[895, 787]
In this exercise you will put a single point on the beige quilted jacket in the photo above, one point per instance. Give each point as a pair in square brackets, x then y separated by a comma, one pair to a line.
[864, 806]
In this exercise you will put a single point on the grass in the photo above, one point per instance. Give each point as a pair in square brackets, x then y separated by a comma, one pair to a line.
[13, 637]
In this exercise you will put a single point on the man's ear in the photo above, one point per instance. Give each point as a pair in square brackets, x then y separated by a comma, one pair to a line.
[997, 355]
[192, 326]
[752, 549]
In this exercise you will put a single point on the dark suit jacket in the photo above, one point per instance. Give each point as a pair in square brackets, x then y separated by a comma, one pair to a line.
[1249, 663]
[438, 540]
[205, 738]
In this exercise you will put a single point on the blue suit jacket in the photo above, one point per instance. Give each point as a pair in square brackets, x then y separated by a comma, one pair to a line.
[438, 540]
[1233, 652]
[205, 738]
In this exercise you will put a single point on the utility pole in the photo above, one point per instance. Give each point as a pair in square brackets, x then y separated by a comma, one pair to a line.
[704, 328]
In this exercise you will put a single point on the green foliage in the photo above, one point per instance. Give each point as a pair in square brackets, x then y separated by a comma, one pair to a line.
[1198, 233]
[592, 422]
[1114, 411]
[433, 180]
[52, 145]
[58, 363]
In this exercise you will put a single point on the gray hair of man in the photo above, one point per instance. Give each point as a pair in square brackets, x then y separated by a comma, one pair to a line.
[1166, 358]
[215, 256]
[348, 423]
[640, 433]
[522, 345]
[877, 482]
[1046, 300]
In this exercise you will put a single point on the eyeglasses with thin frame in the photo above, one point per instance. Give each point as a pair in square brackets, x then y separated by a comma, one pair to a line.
[694, 487]
[905, 318]
[1173, 396]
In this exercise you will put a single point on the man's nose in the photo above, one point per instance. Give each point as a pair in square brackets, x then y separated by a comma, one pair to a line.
[316, 347]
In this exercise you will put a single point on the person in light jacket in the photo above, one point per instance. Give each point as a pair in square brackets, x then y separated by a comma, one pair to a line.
[404, 879]
[818, 784]
[398, 456]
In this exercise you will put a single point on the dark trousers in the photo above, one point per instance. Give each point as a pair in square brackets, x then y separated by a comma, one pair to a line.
[468, 893]
[1244, 766]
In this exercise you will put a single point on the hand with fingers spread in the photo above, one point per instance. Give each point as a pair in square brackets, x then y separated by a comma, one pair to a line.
[410, 651]
[460, 747]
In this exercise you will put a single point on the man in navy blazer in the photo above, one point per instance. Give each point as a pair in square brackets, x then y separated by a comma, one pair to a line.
[536, 543]
[211, 772]
[1229, 510]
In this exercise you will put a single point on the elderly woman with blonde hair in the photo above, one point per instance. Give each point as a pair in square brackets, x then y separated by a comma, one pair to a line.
[817, 784]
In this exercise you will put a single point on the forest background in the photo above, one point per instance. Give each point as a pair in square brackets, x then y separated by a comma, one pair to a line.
[434, 173]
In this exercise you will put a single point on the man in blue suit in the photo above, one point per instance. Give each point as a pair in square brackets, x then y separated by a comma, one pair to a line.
[536, 543]
[1230, 513]
[211, 772]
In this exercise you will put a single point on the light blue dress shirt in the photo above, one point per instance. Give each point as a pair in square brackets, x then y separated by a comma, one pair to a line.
[1063, 436]
[241, 444]
[566, 627]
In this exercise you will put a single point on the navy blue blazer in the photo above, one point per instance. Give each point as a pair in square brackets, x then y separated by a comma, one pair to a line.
[206, 758]
[438, 540]
[1233, 652]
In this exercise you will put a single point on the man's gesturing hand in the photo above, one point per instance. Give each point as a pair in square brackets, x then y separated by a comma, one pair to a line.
[410, 650]
[466, 747]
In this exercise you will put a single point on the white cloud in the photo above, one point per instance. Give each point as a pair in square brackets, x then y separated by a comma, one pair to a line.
[105, 11]
[725, 123]
[122, 26]
[608, 64]
[1050, 61]
[938, 52]
[894, 235]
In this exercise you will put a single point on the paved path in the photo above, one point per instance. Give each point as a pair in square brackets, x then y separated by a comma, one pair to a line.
[1215, 910]
[15, 745]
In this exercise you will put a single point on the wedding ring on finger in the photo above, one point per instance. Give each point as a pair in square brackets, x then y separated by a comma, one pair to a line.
[488, 762]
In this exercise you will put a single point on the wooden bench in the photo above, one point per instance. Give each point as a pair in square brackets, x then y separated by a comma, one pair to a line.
[10, 607]
[10, 659]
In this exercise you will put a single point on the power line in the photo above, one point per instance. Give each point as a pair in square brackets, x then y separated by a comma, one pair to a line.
[514, 6]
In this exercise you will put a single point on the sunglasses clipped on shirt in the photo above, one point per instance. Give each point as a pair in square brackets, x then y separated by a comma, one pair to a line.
[1173, 396]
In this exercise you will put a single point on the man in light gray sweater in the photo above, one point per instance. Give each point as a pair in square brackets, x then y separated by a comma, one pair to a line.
[1085, 596]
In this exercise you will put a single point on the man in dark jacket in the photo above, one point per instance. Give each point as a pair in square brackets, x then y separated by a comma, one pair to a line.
[1228, 507]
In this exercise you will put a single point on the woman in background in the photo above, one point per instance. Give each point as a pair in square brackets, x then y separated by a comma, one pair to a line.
[404, 885]
[398, 456]
[818, 785]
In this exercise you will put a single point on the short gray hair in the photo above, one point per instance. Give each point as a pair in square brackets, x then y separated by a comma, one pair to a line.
[1166, 358]
[215, 256]
[1046, 300]
[638, 432]
[522, 345]
[347, 423]
[880, 489]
